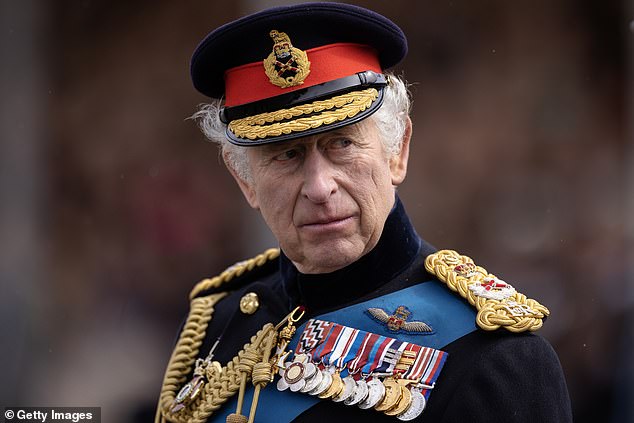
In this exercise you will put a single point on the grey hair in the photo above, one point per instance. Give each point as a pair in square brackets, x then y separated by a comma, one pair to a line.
[390, 120]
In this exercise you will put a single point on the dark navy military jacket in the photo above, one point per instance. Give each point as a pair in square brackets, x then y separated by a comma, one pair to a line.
[488, 376]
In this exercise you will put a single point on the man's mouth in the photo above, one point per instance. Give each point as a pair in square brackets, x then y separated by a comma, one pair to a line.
[326, 223]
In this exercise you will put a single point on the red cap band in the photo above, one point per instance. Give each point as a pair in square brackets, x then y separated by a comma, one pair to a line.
[248, 83]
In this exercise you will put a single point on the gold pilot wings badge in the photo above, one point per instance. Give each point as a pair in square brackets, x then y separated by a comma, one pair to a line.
[497, 302]
[398, 321]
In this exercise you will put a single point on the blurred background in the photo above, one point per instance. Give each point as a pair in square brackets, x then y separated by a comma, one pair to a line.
[112, 204]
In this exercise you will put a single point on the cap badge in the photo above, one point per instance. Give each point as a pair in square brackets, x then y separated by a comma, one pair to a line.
[286, 66]
[397, 322]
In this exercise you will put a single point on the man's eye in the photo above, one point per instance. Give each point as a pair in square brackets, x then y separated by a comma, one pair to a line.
[340, 143]
[286, 155]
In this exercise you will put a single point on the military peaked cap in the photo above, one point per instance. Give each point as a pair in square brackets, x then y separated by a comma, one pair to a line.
[292, 71]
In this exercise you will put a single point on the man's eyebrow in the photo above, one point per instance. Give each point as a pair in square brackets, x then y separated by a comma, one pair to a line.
[280, 146]
[346, 131]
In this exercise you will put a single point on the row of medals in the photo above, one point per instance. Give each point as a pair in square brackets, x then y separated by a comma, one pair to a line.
[392, 396]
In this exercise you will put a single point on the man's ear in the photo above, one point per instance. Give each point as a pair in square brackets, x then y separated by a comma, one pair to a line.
[398, 163]
[245, 186]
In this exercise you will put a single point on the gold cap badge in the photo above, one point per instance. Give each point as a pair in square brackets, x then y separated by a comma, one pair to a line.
[286, 66]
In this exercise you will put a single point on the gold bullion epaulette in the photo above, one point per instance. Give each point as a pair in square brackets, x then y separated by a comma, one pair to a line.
[234, 271]
[497, 302]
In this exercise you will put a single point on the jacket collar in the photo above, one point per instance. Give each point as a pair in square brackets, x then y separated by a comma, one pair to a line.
[398, 246]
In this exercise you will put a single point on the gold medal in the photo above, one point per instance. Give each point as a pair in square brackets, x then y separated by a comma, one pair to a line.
[334, 389]
[403, 404]
[348, 389]
[392, 395]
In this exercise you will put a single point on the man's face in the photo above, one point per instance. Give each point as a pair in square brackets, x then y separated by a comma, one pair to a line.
[325, 197]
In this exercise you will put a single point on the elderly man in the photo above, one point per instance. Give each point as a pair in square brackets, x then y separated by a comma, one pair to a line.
[354, 317]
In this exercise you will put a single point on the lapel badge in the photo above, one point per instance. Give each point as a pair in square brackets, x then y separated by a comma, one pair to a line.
[286, 66]
[397, 322]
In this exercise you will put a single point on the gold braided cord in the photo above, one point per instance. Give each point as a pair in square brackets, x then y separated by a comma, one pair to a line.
[322, 112]
[225, 384]
[186, 349]
[220, 385]
[236, 270]
[517, 313]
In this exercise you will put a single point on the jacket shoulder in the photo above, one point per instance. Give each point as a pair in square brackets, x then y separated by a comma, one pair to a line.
[497, 302]
[518, 379]
[238, 274]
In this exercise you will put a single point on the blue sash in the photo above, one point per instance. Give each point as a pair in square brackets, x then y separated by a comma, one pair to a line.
[449, 316]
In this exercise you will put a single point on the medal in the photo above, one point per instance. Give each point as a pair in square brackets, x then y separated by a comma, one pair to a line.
[295, 387]
[360, 368]
[297, 374]
[294, 373]
[188, 393]
[376, 392]
[348, 389]
[313, 382]
[404, 366]
[392, 396]
[334, 389]
[360, 393]
[403, 404]
[325, 383]
[309, 370]
[192, 389]
[416, 407]
[388, 361]
[282, 385]
[426, 368]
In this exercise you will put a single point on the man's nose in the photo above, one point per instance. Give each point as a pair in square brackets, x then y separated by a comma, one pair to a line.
[319, 182]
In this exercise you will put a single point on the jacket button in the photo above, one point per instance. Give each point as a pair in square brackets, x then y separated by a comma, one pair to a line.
[249, 303]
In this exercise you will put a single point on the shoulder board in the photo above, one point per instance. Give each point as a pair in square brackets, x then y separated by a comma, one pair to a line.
[235, 271]
[497, 302]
